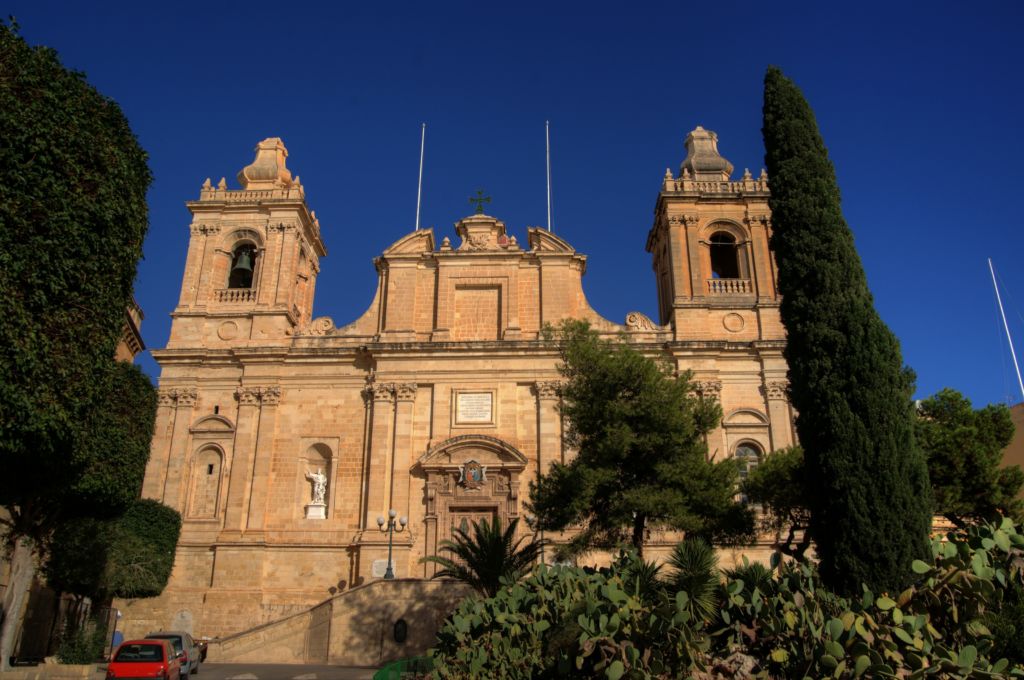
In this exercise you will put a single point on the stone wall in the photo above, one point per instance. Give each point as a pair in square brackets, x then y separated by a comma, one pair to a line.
[355, 628]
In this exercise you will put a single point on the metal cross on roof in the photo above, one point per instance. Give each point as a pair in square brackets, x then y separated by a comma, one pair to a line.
[479, 200]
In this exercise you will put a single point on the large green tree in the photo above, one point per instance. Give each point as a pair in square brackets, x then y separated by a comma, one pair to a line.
[73, 183]
[964, 448]
[867, 484]
[642, 460]
[778, 485]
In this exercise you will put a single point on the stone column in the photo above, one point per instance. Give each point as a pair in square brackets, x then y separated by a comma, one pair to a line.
[549, 426]
[718, 448]
[379, 453]
[177, 463]
[246, 427]
[160, 450]
[778, 413]
[270, 397]
[405, 398]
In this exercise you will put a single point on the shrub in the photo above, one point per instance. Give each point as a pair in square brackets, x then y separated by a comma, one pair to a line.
[83, 645]
[578, 623]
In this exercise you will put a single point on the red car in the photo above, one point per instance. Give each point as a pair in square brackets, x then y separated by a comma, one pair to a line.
[145, 659]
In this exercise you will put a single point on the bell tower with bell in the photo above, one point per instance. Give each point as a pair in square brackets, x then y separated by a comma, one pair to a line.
[253, 258]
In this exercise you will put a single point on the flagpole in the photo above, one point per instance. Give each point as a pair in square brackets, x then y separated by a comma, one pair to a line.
[999, 299]
[419, 187]
[547, 144]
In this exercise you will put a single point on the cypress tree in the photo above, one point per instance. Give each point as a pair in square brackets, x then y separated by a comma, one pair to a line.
[868, 489]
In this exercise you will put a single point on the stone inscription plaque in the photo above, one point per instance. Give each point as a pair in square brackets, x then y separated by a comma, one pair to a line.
[378, 568]
[474, 407]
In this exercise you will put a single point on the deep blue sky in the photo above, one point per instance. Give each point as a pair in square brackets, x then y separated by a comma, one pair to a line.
[919, 104]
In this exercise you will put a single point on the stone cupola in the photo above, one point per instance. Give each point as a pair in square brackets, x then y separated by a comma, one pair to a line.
[703, 162]
[268, 171]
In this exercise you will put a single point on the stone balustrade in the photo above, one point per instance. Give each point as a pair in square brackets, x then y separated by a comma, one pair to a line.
[729, 287]
[236, 295]
[729, 187]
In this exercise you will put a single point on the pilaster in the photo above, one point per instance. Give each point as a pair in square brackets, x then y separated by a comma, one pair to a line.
[778, 413]
[163, 439]
[717, 446]
[270, 397]
[243, 452]
[549, 426]
[378, 452]
[179, 456]
[405, 398]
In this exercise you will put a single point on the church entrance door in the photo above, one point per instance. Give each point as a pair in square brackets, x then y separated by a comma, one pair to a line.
[463, 518]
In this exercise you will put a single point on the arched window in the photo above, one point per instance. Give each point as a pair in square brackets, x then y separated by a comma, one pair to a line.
[243, 265]
[205, 484]
[725, 261]
[748, 456]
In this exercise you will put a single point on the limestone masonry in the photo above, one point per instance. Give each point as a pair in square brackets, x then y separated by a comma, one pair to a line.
[281, 437]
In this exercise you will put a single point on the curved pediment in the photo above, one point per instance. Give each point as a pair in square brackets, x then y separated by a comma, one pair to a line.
[544, 241]
[745, 416]
[213, 424]
[489, 451]
[421, 241]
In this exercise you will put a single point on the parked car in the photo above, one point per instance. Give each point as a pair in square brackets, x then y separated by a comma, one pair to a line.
[145, 659]
[182, 642]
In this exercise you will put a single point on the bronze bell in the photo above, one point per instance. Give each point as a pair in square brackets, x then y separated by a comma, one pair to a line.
[244, 261]
[241, 272]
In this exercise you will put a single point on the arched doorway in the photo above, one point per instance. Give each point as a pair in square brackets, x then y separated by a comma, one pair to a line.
[468, 478]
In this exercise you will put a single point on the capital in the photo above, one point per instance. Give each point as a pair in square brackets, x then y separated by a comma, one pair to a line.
[382, 391]
[710, 389]
[405, 391]
[776, 389]
[187, 396]
[546, 389]
[248, 396]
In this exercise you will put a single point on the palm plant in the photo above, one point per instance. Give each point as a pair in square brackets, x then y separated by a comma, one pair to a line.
[754, 576]
[695, 571]
[641, 578]
[486, 556]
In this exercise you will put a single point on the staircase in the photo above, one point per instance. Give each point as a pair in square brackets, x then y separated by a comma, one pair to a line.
[354, 628]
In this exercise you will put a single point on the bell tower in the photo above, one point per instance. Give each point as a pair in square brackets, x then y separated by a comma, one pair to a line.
[715, 275]
[253, 258]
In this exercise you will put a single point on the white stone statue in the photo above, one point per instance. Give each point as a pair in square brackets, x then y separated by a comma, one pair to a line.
[319, 480]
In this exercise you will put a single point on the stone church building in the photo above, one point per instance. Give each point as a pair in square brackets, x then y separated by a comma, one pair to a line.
[282, 438]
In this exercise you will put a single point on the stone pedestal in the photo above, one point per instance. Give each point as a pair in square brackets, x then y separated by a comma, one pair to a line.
[316, 511]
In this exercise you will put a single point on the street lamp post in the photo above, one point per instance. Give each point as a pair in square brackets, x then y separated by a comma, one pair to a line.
[391, 526]
[113, 634]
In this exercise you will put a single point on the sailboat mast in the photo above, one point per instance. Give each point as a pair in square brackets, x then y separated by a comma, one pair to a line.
[1013, 354]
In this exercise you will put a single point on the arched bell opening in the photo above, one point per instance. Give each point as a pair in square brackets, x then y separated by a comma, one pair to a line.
[243, 266]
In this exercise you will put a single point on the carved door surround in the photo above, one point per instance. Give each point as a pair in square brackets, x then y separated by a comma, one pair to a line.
[470, 476]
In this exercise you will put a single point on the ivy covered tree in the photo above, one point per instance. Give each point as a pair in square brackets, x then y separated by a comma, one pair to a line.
[73, 215]
[129, 556]
[867, 484]
[642, 460]
[964, 448]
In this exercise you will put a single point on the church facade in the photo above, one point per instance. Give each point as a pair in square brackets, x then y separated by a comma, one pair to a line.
[283, 438]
